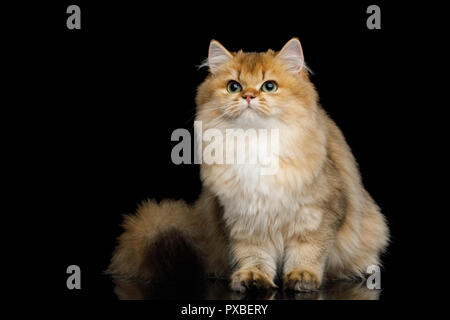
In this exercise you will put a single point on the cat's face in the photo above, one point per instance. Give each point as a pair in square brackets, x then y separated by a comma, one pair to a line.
[255, 88]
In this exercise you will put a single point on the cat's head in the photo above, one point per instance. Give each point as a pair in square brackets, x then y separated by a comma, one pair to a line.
[255, 88]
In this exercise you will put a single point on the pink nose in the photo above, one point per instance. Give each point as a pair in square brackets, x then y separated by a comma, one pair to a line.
[248, 97]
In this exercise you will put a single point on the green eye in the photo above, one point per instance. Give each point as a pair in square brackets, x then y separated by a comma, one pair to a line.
[269, 86]
[234, 87]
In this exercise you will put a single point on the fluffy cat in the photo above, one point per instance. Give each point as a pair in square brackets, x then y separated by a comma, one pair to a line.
[310, 220]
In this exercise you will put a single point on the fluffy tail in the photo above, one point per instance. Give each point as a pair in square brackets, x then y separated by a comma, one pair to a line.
[170, 241]
[160, 241]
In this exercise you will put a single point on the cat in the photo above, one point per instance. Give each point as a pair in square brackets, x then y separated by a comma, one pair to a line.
[310, 220]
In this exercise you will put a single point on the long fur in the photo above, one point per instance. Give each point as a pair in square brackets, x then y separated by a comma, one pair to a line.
[310, 220]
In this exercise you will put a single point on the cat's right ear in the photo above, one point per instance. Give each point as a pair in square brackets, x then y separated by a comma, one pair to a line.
[217, 56]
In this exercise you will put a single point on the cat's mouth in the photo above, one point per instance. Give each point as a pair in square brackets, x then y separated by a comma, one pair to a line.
[250, 113]
[246, 112]
[250, 107]
[254, 109]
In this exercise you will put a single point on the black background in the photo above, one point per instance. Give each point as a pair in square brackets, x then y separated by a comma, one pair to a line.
[110, 95]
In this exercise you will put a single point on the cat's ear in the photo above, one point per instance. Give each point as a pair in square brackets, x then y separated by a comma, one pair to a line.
[292, 56]
[217, 56]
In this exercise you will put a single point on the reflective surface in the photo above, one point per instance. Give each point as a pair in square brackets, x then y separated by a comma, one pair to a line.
[218, 290]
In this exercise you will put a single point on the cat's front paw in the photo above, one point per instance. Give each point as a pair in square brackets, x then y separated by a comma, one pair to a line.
[250, 279]
[301, 280]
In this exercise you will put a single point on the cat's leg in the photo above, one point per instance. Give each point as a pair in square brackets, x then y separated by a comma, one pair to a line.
[359, 242]
[304, 261]
[255, 264]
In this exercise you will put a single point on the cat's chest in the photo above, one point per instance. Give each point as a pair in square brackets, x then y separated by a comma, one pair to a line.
[267, 204]
[258, 179]
[255, 192]
[257, 202]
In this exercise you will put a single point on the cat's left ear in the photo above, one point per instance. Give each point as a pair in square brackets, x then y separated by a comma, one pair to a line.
[292, 56]
[217, 56]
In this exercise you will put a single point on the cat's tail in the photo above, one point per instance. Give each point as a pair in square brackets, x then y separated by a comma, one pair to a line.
[159, 241]
[170, 240]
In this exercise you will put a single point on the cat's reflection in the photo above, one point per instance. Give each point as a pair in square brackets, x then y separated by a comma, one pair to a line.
[338, 290]
[219, 290]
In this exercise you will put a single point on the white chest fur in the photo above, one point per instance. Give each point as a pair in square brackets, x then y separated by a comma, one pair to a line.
[259, 204]
[261, 201]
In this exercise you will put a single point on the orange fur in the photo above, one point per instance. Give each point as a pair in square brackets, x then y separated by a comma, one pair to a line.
[311, 219]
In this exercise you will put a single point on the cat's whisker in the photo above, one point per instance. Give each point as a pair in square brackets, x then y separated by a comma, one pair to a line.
[264, 109]
[222, 108]
[211, 109]
[218, 120]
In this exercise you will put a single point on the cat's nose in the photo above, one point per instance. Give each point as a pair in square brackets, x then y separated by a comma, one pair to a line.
[248, 97]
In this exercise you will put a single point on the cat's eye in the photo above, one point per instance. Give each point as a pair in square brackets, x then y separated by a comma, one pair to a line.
[269, 86]
[234, 87]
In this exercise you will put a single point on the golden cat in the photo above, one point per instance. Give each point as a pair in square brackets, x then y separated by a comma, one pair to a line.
[310, 220]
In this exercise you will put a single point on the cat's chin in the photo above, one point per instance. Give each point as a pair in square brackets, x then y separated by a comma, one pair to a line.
[250, 118]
